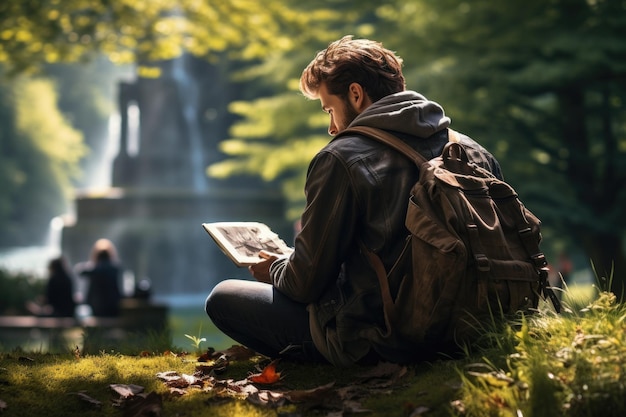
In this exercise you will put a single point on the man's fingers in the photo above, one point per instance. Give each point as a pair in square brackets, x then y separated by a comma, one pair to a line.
[267, 255]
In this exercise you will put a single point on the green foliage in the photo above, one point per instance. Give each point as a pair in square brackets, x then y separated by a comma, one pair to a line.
[16, 289]
[266, 144]
[52, 132]
[35, 32]
[278, 134]
[87, 100]
[39, 159]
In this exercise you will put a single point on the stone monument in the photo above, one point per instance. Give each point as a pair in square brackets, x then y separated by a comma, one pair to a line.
[160, 194]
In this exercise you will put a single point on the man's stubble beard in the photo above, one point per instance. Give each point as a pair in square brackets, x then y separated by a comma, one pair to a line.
[349, 112]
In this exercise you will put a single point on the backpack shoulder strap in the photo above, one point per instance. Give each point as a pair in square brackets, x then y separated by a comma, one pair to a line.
[388, 139]
[454, 136]
[395, 142]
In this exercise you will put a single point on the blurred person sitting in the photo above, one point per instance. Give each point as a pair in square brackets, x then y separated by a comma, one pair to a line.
[58, 299]
[103, 272]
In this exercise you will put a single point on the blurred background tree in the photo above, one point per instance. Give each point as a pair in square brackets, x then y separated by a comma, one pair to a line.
[279, 131]
[39, 159]
[541, 84]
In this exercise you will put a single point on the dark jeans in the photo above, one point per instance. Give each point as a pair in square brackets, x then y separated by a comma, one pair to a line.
[262, 319]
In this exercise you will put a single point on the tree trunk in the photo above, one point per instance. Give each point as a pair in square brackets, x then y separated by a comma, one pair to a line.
[601, 240]
[606, 252]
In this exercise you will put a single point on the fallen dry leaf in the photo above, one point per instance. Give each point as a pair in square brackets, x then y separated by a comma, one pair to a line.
[177, 391]
[353, 407]
[189, 380]
[233, 353]
[135, 402]
[192, 380]
[459, 407]
[314, 395]
[126, 390]
[385, 370]
[268, 376]
[267, 398]
[337, 401]
[352, 392]
[178, 382]
[86, 398]
[419, 411]
[381, 377]
[168, 376]
[216, 367]
[143, 405]
[241, 388]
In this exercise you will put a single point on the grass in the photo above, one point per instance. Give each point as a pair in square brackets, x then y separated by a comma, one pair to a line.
[47, 385]
[573, 364]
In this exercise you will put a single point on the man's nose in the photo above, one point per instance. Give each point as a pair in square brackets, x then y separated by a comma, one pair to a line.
[332, 129]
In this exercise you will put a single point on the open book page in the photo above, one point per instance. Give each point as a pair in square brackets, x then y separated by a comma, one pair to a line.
[242, 241]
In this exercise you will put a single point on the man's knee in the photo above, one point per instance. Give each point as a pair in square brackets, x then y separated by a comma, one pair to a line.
[225, 295]
[216, 299]
[208, 304]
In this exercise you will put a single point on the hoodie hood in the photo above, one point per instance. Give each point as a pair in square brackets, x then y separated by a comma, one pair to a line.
[406, 112]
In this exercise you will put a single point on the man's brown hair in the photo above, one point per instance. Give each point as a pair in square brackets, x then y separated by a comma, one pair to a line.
[377, 69]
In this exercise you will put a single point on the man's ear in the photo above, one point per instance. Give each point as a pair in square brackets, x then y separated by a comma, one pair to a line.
[358, 97]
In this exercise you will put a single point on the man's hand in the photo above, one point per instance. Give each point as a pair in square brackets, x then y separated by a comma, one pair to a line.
[261, 271]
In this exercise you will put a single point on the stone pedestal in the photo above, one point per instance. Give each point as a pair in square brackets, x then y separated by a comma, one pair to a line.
[159, 235]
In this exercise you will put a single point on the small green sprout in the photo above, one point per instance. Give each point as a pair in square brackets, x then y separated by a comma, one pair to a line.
[196, 341]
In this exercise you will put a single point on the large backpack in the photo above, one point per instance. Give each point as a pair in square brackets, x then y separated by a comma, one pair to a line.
[472, 252]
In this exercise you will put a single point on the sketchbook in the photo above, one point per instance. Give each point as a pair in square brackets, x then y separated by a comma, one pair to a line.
[242, 241]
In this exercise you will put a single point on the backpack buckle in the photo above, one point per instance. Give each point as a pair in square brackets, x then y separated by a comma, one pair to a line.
[482, 263]
[539, 259]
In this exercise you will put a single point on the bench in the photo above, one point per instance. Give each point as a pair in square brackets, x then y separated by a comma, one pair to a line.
[54, 333]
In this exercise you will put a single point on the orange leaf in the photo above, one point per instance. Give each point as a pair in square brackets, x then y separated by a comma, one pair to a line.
[268, 375]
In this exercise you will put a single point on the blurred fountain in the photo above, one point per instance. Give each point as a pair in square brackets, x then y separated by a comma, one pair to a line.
[159, 193]
[34, 259]
[188, 95]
